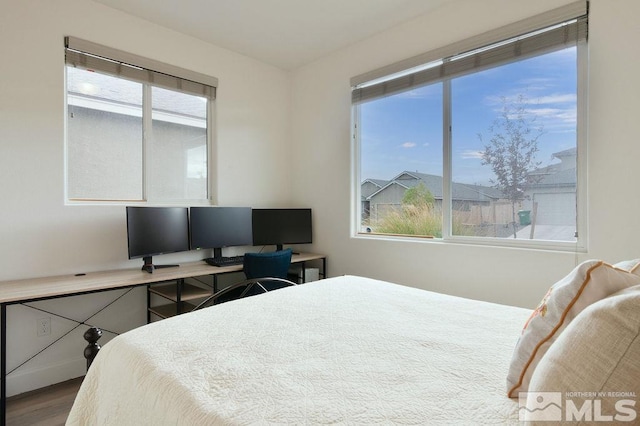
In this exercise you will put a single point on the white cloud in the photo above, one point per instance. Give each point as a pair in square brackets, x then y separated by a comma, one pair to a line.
[555, 116]
[554, 112]
[471, 154]
[557, 98]
[409, 145]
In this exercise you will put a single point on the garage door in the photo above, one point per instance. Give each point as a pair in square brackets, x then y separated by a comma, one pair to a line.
[556, 208]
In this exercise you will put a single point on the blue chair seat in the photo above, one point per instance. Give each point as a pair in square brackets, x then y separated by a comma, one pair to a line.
[256, 266]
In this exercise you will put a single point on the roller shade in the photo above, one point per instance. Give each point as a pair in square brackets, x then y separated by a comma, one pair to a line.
[551, 38]
[87, 55]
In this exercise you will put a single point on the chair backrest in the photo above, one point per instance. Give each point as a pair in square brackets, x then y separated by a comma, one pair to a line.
[271, 264]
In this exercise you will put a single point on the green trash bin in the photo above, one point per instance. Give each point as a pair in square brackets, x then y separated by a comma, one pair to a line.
[525, 217]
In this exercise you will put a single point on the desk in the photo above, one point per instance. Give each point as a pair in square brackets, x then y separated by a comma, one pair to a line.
[45, 288]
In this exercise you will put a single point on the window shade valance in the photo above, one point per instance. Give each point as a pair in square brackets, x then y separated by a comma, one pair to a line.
[84, 54]
[569, 27]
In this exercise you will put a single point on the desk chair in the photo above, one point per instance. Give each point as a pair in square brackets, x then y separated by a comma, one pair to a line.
[264, 272]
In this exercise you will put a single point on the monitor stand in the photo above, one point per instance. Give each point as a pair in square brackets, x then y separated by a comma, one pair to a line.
[149, 266]
[279, 247]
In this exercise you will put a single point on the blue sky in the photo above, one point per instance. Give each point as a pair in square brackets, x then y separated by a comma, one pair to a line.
[404, 131]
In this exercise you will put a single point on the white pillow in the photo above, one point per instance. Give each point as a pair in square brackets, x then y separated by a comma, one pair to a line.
[597, 358]
[632, 266]
[589, 282]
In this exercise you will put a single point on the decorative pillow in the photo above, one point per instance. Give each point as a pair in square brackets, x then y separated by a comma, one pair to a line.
[597, 358]
[589, 282]
[632, 266]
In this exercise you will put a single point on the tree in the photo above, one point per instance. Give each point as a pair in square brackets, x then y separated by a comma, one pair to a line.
[511, 151]
[418, 196]
[417, 215]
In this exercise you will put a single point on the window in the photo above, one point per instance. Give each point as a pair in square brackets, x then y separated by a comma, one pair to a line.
[482, 146]
[137, 130]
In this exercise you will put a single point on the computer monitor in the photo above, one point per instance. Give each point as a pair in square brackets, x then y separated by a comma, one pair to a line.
[153, 231]
[218, 227]
[281, 226]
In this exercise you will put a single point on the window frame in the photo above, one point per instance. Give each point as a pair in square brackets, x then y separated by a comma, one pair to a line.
[571, 11]
[170, 78]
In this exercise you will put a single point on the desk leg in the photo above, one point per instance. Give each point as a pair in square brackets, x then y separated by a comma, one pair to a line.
[3, 366]
[179, 287]
[148, 304]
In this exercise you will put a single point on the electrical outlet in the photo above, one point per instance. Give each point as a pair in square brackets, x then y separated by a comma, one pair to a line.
[43, 326]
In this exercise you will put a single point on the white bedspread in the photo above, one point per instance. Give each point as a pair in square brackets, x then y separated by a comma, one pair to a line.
[345, 350]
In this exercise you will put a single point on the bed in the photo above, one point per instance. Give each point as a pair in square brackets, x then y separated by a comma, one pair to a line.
[345, 350]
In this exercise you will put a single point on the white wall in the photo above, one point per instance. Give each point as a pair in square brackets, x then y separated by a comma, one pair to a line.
[321, 137]
[282, 139]
[40, 235]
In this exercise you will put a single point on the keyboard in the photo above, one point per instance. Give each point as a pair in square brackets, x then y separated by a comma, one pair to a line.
[225, 261]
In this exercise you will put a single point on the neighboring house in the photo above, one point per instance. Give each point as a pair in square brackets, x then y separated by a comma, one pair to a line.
[370, 186]
[379, 196]
[555, 193]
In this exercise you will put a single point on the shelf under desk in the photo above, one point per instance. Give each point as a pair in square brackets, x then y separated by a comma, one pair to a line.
[178, 294]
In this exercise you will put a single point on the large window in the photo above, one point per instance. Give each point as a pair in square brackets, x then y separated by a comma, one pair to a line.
[136, 130]
[482, 146]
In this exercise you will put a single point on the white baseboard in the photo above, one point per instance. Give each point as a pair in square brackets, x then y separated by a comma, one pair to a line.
[27, 380]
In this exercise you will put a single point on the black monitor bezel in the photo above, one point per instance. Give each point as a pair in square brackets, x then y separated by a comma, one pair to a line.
[242, 226]
[276, 237]
[175, 248]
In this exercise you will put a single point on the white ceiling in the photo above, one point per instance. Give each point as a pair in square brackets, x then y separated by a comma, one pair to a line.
[284, 33]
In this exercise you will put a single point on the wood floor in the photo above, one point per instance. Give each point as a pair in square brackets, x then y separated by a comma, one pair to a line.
[49, 406]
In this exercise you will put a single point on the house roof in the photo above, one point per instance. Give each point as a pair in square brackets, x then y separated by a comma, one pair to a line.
[460, 191]
[556, 174]
[553, 175]
[571, 152]
[558, 178]
[103, 92]
[377, 182]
